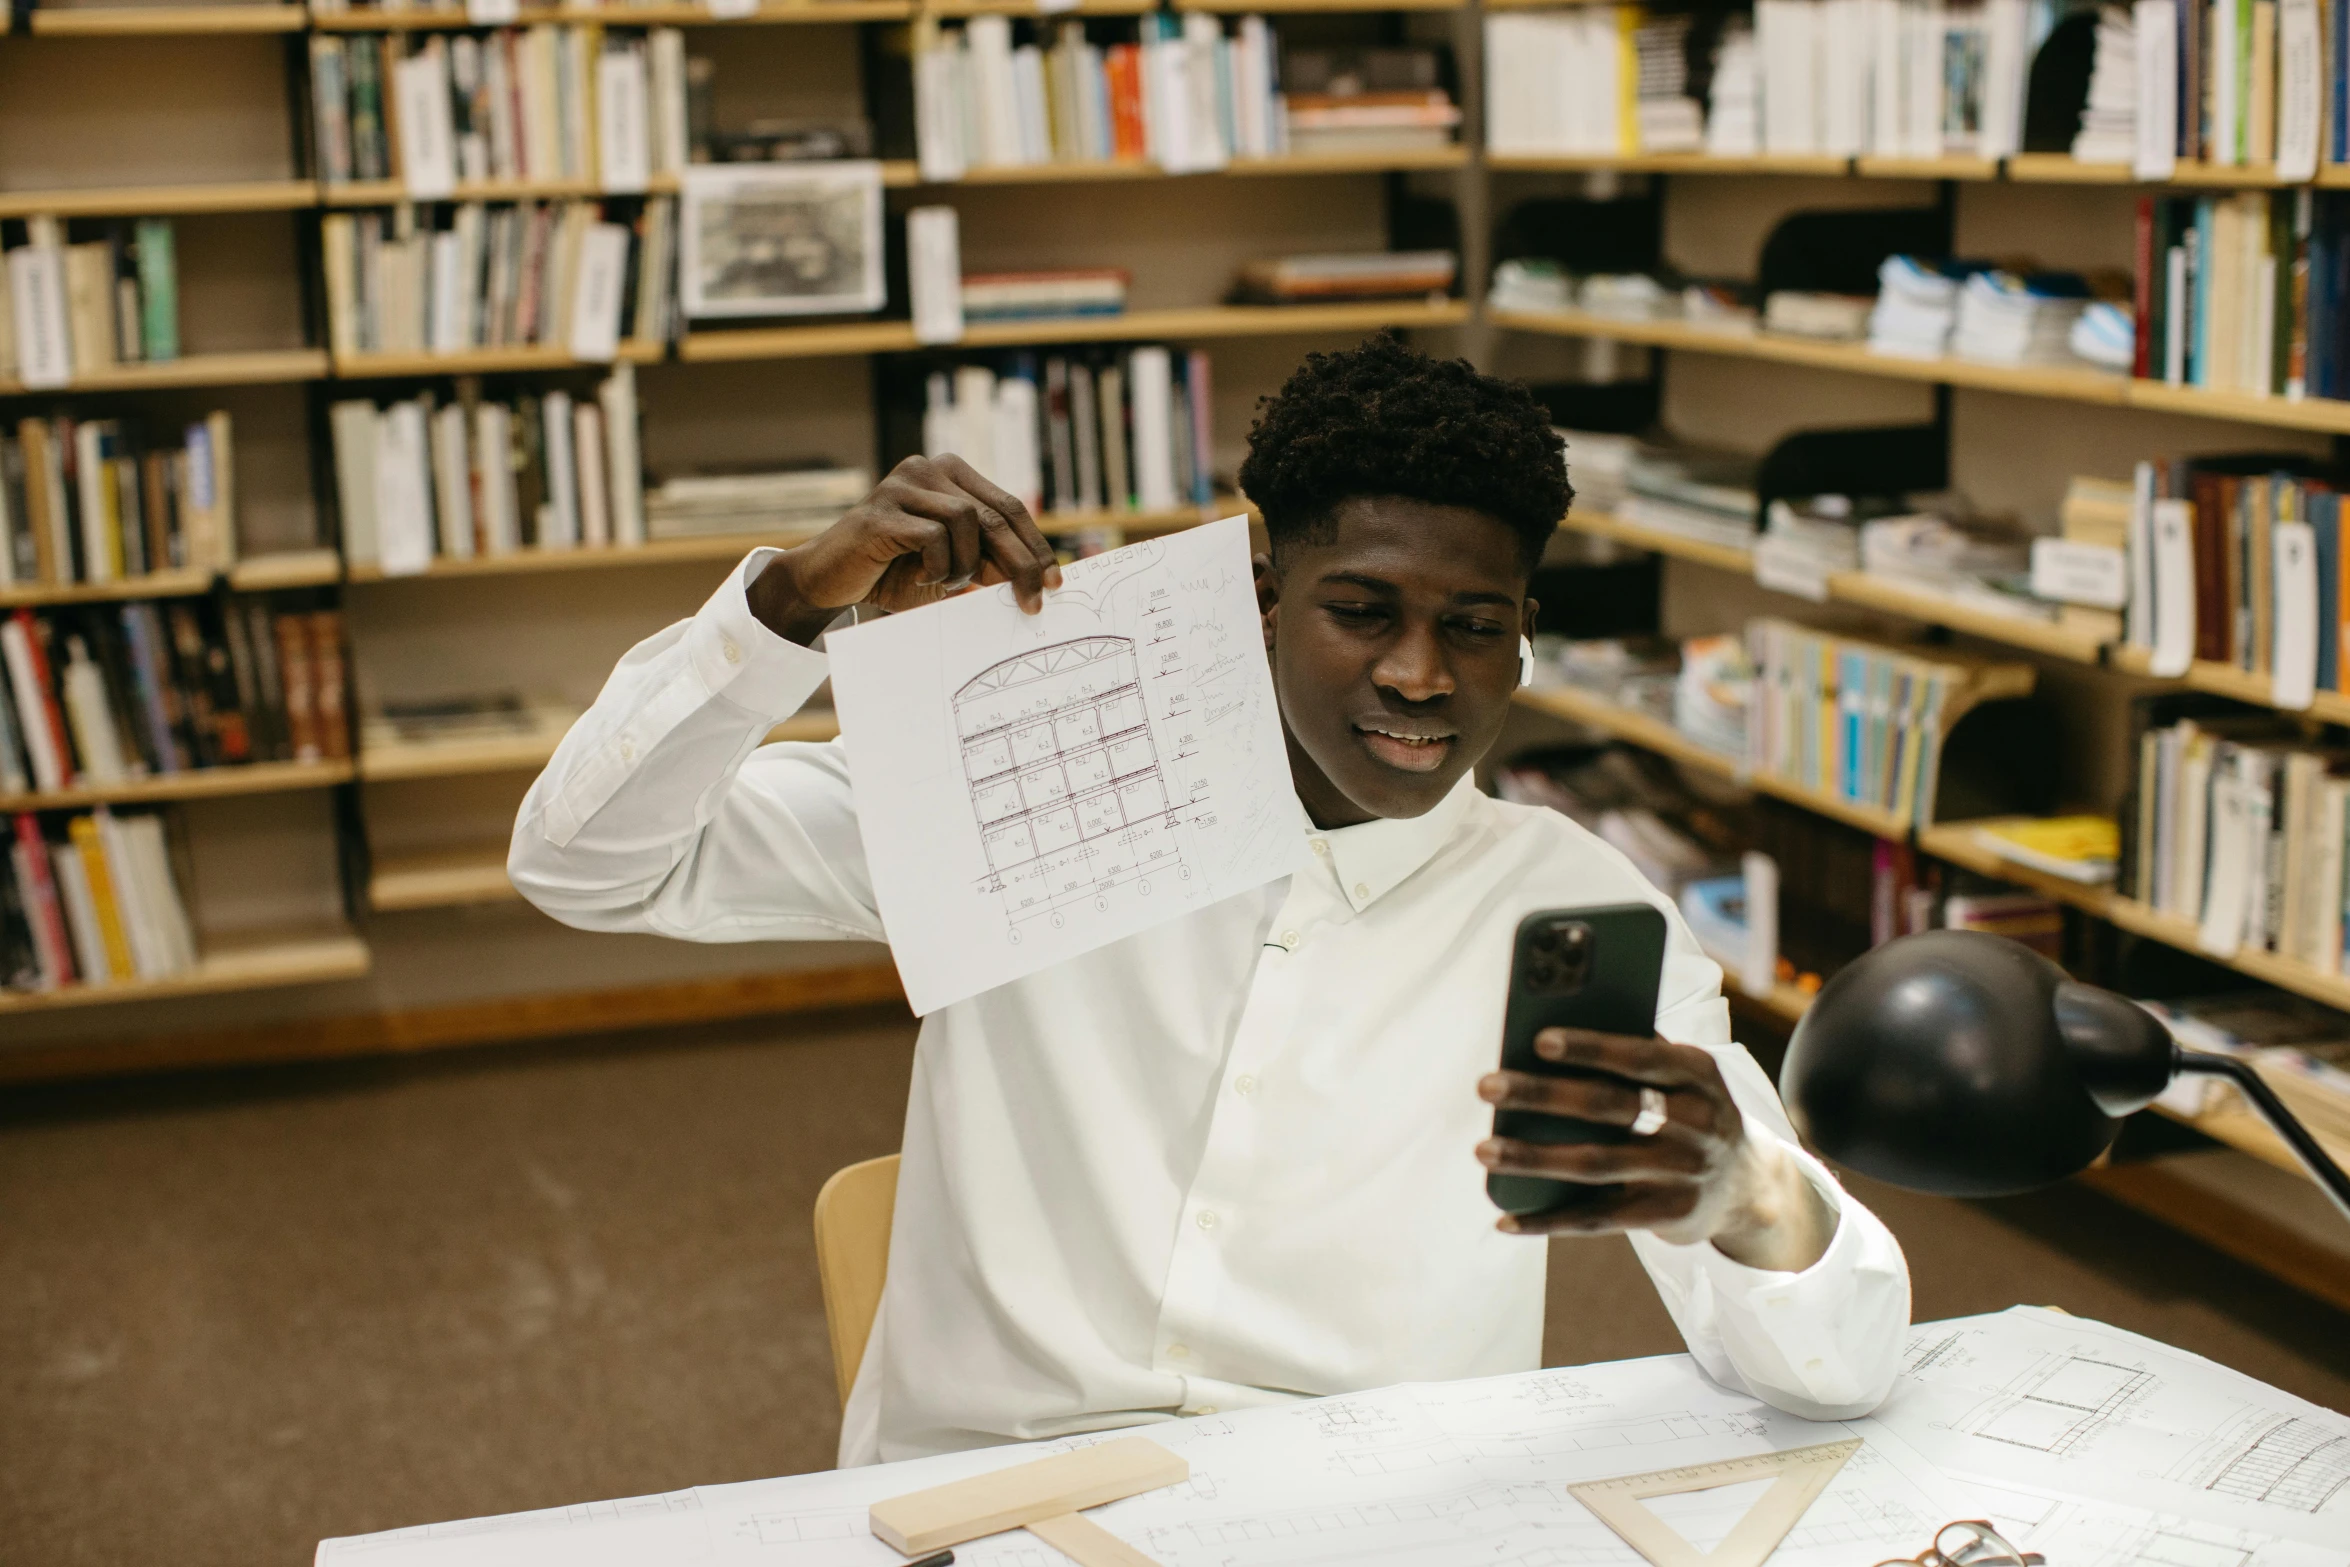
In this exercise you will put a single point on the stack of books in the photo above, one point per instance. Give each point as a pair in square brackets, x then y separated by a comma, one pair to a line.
[1670, 119]
[1806, 540]
[1118, 431]
[1917, 305]
[1288, 280]
[1698, 494]
[1733, 110]
[1368, 123]
[470, 476]
[522, 103]
[2238, 825]
[100, 694]
[1182, 93]
[2007, 319]
[1029, 296]
[93, 903]
[2242, 293]
[2301, 1049]
[1965, 561]
[2262, 552]
[782, 502]
[1850, 719]
[445, 279]
[2109, 119]
[81, 307]
[99, 500]
[1555, 81]
[2077, 848]
[1835, 318]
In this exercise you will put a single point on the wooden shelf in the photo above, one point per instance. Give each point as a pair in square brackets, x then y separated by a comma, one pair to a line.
[622, 15]
[958, 8]
[1860, 588]
[2244, 1230]
[2227, 680]
[129, 21]
[255, 369]
[1652, 734]
[1206, 322]
[482, 361]
[442, 879]
[391, 193]
[294, 569]
[200, 783]
[1662, 162]
[1453, 157]
[257, 962]
[1953, 167]
[161, 200]
[386, 758]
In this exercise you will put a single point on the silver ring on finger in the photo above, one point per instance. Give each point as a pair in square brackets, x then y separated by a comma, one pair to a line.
[1652, 1116]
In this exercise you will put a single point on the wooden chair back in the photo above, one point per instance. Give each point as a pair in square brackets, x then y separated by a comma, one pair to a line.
[852, 1257]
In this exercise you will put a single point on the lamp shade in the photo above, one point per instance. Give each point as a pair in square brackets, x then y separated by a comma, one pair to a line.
[1964, 1064]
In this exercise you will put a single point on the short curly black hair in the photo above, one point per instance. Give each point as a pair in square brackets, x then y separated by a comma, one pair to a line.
[1385, 419]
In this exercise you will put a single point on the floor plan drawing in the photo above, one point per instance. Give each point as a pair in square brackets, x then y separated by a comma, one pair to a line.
[2277, 1459]
[2059, 1402]
[1065, 781]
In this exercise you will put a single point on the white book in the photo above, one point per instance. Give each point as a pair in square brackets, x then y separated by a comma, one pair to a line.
[939, 430]
[587, 446]
[493, 436]
[1923, 83]
[1788, 35]
[1888, 37]
[428, 139]
[561, 530]
[1036, 136]
[2156, 23]
[403, 491]
[445, 324]
[40, 741]
[1018, 465]
[2329, 825]
[1152, 387]
[81, 916]
[994, 90]
[91, 717]
[467, 229]
[666, 115]
[938, 111]
[974, 421]
[353, 424]
[452, 474]
[623, 137]
[98, 544]
[506, 151]
[36, 298]
[572, 75]
[2138, 609]
[1845, 56]
[2300, 88]
[599, 293]
[1166, 104]
[2226, 87]
[1203, 40]
[934, 274]
[169, 914]
[133, 906]
[2006, 61]
[624, 468]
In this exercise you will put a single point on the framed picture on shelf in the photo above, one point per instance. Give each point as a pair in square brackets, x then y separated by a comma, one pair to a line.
[782, 239]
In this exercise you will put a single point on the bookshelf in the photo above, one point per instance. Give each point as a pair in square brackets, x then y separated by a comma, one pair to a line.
[293, 569]
[268, 961]
[200, 783]
[162, 200]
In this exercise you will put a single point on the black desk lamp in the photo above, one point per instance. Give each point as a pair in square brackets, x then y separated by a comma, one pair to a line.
[1963, 1064]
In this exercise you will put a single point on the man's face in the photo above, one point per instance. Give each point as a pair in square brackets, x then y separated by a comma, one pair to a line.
[1394, 650]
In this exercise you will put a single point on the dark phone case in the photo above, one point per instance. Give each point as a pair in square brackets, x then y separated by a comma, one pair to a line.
[1624, 964]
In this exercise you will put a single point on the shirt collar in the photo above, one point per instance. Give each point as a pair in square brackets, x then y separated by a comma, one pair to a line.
[1372, 859]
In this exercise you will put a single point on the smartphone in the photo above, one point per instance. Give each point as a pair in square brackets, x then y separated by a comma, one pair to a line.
[1573, 968]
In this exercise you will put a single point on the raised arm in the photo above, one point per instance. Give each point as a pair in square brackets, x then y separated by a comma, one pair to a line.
[661, 811]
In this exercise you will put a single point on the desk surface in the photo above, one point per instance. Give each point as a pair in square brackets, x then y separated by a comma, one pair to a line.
[2096, 1447]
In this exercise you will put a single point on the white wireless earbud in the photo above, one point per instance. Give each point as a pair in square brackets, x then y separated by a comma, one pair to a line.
[1525, 661]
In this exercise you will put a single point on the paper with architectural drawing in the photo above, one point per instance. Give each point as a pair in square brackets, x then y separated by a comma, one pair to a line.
[1478, 1472]
[1031, 788]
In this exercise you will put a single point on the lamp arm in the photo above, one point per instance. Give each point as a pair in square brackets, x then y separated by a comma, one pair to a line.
[2322, 1169]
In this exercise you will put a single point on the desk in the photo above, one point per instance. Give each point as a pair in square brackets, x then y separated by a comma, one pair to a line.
[2093, 1446]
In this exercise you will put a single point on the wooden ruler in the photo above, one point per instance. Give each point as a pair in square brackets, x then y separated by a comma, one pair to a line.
[1800, 1473]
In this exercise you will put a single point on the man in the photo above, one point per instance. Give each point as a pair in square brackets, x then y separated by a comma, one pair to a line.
[1240, 1157]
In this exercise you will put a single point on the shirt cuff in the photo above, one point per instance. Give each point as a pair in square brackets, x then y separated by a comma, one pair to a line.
[738, 658]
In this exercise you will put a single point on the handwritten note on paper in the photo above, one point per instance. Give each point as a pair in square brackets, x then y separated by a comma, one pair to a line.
[1031, 788]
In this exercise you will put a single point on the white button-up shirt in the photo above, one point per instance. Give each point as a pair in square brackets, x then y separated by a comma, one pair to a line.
[1224, 1162]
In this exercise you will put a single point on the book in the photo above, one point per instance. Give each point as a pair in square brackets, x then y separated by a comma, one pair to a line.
[2077, 848]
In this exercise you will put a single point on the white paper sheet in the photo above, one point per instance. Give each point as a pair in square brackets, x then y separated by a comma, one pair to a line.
[1031, 788]
[2035, 1399]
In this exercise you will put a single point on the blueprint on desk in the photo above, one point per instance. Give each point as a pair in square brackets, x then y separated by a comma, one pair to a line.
[1431, 1475]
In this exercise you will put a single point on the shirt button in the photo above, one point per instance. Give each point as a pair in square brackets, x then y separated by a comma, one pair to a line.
[1289, 940]
[1321, 848]
[627, 749]
[1205, 1409]
[734, 654]
[1178, 1352]
[1244, 1085]
[1361, 890]
[1207, 1219]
